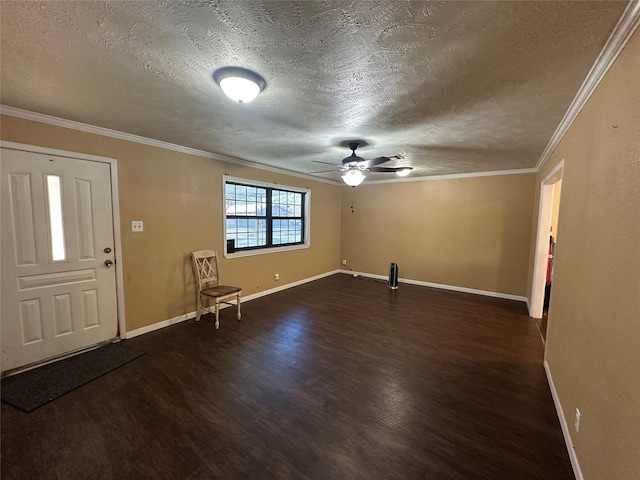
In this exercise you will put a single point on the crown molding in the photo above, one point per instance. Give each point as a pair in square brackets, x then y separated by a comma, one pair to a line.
[490, 173]
[83, 127]
[619, 37]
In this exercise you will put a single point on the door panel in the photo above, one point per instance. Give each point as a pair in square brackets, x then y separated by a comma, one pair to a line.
[58, 295]
[22, 215]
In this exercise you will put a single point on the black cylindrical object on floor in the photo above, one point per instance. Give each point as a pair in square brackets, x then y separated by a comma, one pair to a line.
[393, 276]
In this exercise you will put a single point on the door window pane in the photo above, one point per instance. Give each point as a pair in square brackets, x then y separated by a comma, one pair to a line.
[56, 230]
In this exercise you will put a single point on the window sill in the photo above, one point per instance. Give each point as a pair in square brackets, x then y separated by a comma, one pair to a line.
[263, 251]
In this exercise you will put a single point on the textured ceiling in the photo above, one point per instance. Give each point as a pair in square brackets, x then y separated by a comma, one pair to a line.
[455, 87]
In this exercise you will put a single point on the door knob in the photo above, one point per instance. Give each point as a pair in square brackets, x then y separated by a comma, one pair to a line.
[108, 263]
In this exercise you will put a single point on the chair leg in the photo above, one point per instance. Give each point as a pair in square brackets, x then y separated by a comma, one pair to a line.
[198, 307]
[238, 304]
[217, 313]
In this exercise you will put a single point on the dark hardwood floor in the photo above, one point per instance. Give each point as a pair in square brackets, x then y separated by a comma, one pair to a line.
[341, 378]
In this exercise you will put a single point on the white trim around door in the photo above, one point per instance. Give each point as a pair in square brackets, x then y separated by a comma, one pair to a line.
[536, 303]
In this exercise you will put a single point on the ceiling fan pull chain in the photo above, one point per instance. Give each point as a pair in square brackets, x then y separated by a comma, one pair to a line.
[352, 189]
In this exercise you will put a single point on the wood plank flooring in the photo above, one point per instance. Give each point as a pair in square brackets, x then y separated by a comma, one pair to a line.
[341, 378]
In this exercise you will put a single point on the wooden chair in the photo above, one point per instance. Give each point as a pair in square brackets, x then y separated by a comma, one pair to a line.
[205, 264]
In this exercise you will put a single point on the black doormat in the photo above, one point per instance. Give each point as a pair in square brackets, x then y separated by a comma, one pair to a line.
[32, 389]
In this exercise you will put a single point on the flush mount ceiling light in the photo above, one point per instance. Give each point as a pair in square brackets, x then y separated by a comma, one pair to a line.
[239, 84]
[404, 171]
[353, 177]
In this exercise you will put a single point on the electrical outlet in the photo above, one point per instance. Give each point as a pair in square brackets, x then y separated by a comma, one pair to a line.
[137, 226]
[577, 420]
[276, 276]
[344, 262]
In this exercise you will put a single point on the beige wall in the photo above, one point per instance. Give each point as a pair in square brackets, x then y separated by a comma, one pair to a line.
[593, 336]
[468, 232]
[179, 198]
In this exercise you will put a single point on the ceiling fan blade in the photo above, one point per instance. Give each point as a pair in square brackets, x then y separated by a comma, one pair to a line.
[325, 163]
[322, 171]
[375, 161]
[383, 169]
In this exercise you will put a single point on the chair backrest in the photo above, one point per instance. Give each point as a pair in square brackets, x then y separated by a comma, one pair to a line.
[205, 264]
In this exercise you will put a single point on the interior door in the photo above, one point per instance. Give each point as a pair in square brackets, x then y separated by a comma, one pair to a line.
[58, 291]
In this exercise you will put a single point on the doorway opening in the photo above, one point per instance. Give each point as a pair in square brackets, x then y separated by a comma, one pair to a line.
[541, 289]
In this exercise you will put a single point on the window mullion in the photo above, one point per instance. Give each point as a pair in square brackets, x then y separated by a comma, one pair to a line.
[269, 217]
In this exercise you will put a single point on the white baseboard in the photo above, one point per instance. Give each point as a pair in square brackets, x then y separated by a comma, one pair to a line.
[190, 315]
[563, 424]
[442, 286]
[288, 285]
[159, 325]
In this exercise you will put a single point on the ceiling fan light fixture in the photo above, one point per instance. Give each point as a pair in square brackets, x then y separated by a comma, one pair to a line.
[403, 172]
[239, 84]
[353, 177]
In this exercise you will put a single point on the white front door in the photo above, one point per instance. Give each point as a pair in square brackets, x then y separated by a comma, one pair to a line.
[58, 290]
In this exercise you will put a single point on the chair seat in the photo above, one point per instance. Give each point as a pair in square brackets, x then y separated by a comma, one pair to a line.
[220, 290]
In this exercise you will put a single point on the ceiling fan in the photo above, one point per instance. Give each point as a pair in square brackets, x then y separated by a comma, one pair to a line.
[355, 166]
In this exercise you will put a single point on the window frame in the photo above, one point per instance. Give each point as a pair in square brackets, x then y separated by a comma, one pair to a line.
[261, 250]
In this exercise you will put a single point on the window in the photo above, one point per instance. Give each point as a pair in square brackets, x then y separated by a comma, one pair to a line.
[56, 226]
[261, 217]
